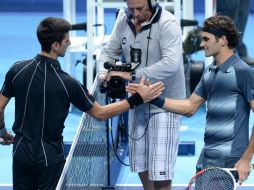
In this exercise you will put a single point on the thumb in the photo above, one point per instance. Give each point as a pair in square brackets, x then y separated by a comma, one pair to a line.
[142, 80]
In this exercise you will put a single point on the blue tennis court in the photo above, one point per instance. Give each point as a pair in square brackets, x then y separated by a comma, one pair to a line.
[18, 41]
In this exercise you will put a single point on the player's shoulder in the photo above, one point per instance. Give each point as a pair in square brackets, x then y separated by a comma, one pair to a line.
[243, 71]
[19, 65]
[241, 66]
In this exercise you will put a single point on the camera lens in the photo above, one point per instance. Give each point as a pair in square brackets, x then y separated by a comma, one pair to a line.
[116, 87]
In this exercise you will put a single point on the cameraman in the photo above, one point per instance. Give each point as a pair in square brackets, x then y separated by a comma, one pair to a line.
[153, 132]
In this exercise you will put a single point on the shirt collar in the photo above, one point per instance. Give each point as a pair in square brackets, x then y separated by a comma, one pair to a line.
[54, 62]
[229, 62]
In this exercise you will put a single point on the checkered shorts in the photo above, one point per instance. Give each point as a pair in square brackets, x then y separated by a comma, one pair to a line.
[156, 151]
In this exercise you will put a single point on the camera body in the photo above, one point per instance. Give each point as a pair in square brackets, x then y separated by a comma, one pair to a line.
[115, 87]
[118, 66]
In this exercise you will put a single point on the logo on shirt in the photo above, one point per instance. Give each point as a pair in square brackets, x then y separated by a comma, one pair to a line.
[162, 173]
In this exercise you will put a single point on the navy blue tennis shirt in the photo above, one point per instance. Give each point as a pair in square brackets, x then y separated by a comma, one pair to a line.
[43, 93]
[228, 89]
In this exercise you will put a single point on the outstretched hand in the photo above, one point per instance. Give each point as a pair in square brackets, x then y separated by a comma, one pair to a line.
[147, 90]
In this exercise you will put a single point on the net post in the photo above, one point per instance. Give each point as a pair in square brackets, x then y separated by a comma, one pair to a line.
[108, 187]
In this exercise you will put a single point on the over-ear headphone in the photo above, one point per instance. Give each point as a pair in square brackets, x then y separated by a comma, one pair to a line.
[150, 3]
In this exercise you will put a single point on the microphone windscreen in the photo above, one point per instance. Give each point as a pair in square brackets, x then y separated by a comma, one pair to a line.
[107, 65]
[79, 26]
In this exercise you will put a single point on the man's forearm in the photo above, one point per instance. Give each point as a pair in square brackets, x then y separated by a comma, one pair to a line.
[3, 102]
[186, 107]
[248, 154]
[183, 107]
[3, 130]
[2, 124]
[110, 110]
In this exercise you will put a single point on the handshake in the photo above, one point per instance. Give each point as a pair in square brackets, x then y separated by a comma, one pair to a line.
[149, 92]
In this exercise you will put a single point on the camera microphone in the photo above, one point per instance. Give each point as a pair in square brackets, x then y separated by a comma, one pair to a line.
[108, 65]
[82, 26]
[79, 26]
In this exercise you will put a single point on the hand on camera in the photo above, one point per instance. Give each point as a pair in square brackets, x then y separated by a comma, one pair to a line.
[102, 77]
[124, 75]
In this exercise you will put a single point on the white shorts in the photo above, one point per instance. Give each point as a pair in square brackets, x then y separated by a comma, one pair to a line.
[156, 151]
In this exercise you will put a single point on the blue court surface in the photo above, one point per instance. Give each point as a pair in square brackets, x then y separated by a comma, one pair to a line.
[18, 41]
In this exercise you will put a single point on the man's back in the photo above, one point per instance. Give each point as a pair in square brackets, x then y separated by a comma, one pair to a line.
[43, 93]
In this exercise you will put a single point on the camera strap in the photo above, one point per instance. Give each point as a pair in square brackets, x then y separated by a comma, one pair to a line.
[148, 38]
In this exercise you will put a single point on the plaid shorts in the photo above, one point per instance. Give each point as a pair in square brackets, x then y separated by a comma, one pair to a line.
[153, 143]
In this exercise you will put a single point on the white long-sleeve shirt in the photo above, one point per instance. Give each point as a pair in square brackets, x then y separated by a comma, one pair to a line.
[160, 41]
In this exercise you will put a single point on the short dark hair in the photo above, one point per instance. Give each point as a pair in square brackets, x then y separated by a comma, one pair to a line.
[52, 30]
[220, 25]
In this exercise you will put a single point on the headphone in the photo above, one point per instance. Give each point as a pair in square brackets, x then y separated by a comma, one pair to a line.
[150, 3]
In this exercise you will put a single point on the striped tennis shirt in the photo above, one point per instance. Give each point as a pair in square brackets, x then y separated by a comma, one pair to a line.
[228, 89]
[43, 93]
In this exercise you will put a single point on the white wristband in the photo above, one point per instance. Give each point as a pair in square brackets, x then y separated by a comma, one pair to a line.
[3, 132]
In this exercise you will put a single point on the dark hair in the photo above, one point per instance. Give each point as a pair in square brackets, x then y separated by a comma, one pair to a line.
[222, 26]
[52, 30]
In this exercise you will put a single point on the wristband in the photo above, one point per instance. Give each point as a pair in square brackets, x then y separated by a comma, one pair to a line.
[3, 131]
[159, 102]
[135, 100]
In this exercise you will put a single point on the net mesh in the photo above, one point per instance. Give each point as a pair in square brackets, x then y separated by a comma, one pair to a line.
[87, 165]
[214, 179]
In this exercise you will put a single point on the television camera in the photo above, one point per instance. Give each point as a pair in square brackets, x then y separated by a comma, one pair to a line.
[115, 87]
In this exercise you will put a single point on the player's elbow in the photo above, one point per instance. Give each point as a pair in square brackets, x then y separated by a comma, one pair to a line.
[98, 112]
[101, 116]
[190, 109]
[189, 114]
